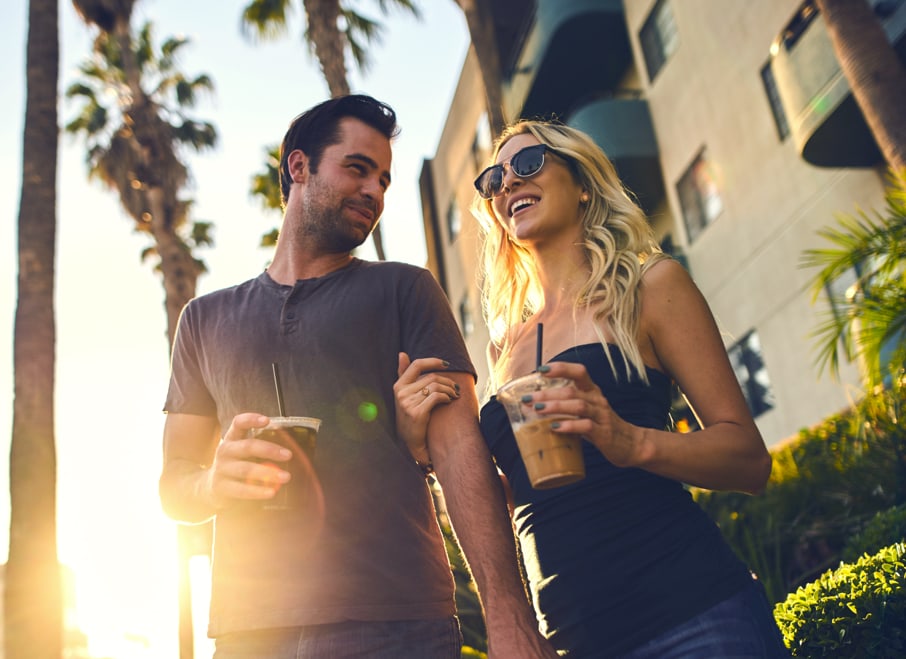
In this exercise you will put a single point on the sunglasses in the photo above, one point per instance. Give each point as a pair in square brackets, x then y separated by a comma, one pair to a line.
[524, 163]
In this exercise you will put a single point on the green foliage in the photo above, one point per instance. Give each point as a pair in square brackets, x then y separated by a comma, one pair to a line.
[856, 610]
[885, 528]
[266, 187]
[825, 486]
[869, 319]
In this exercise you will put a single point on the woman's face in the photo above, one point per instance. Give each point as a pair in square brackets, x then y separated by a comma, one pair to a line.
[543, 206]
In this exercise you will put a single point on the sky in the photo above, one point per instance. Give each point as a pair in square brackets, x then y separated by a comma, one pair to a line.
[111, 359]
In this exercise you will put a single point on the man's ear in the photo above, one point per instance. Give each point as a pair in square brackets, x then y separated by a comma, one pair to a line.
[297, 163]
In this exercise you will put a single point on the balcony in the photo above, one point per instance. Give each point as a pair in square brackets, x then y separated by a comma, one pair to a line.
[826, 124]
[623, 128]
[573, 49]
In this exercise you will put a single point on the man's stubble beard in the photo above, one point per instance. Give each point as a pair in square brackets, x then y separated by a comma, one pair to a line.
[323, 222]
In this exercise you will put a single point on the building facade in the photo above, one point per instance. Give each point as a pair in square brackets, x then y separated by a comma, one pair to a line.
[732, 124]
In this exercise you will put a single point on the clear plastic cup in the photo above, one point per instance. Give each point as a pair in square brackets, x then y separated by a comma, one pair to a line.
[551, 459]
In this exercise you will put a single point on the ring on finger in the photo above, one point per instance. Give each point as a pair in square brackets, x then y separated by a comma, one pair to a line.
[426, 392]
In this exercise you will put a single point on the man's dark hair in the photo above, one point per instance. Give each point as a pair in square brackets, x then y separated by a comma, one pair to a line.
[319, 127]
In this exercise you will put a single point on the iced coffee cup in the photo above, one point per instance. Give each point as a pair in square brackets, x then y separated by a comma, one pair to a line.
[299, 435]
[551, 459]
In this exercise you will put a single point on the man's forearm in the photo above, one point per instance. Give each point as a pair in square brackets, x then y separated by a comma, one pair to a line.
[183, 492]
[478, 514]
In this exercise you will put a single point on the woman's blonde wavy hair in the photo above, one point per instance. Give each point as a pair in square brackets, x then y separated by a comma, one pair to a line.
[618, 245]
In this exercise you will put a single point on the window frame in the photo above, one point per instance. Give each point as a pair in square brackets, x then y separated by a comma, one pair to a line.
[658, 38]
[694, 198]
[742, 355]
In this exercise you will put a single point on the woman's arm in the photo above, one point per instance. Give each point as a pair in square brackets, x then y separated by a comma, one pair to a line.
[679, 333]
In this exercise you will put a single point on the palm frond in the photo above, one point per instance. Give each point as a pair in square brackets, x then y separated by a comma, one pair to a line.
[265, 19]
[870, 323]
[387, 6]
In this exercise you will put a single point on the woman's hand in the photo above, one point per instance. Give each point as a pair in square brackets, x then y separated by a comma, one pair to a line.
[619, 441]
[419, 389]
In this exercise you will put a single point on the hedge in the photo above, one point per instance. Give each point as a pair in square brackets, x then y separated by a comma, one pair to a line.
[857, 610]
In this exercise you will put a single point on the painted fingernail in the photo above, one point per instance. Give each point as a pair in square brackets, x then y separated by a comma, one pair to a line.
[446, 363]
[456, 386]
[555, 425]
[539, 406]
[527, 398]
[544, 368]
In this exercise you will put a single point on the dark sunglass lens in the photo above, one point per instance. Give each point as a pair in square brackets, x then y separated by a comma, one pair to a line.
[528, 161]
[490, 181]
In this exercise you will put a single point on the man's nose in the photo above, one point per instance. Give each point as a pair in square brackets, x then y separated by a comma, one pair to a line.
[373, 188]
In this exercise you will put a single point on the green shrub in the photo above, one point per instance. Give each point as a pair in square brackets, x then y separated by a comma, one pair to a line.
[857, 610]
[826, 484]
[885, 528]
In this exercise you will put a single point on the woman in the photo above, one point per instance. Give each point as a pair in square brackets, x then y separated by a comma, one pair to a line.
[622, 563]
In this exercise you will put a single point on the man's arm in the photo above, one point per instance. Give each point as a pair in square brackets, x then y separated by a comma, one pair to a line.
[478, 513]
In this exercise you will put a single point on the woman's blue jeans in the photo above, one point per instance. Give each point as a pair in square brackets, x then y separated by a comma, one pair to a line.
[398, 639]
[740, 627]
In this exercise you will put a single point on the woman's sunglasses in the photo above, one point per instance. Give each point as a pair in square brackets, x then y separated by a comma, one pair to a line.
[524, 163]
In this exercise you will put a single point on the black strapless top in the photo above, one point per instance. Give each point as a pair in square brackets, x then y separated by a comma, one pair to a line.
[624, 554]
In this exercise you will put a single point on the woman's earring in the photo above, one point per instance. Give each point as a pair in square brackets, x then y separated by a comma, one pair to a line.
[584, 198]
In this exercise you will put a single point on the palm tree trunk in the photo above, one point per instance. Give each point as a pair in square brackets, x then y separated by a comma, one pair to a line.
[328, 43]
[33, 624]
[180, 274]
[874, 72]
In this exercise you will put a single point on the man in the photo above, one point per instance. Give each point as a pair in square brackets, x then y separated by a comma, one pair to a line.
[365, 574]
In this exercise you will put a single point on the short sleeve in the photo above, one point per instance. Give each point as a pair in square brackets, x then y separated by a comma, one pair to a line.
[188, 393]
[428, 327]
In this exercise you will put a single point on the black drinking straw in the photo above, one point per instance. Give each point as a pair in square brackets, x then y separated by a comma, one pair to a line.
[538, 342]
[278, 388]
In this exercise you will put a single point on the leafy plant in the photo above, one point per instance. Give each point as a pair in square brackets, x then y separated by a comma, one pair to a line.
[868, 320]
[856, 610]
[885, 528]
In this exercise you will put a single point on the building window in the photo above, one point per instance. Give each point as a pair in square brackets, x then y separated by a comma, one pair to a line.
[748, 364]
[466, 320]
[483, 142]
[454, 220]
[699, 196]
[770, 88]
[659, 38]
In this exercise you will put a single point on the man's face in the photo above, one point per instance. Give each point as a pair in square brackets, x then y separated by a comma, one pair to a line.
[342, 202]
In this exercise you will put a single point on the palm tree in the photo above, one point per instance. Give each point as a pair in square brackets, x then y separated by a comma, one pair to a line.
[874, 72]
[332, 29]
[135, 145]
[868, 320]
[33, 621]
